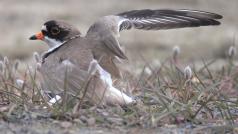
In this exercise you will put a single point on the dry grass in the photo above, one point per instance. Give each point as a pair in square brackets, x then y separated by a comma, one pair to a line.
[166, 95]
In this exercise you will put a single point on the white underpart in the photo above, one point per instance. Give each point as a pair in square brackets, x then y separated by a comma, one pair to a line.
[111, 92]
[104, 75]
[54, 100]
[19, 82]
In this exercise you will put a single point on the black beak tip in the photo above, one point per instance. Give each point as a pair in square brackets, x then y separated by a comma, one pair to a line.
[33, 37]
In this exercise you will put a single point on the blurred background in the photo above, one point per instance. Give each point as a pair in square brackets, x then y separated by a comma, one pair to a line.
[19, 19]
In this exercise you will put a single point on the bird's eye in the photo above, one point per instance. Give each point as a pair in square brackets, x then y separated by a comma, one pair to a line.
[55, 30]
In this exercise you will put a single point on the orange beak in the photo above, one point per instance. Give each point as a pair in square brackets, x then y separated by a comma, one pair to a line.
[38, 36]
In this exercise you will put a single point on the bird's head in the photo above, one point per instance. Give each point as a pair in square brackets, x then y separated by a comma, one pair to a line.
[56, 32]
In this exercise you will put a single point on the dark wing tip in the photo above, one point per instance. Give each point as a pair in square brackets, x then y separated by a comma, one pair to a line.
[208, 22]
[218, 16]
[200, 13]
[216, 22]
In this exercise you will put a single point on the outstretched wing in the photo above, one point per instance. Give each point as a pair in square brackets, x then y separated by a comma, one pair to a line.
[107, 28]
[166, 19]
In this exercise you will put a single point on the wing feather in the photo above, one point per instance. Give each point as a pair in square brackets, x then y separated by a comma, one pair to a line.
[107, 28]
[146, 19]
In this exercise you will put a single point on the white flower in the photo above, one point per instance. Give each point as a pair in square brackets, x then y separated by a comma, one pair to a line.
[38, 66]
[68, 64]
[92, 69]
[176, 51]
[5, 61]
[148, 71]
[232, 51]
[36, 56]
[16, 64]
[188, 72]
[19, 82]
[1, 66]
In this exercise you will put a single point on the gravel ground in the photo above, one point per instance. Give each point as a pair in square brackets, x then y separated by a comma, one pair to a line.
[64, 127]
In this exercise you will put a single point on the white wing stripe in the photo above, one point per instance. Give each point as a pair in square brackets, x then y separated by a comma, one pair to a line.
[185, 17]
[195, 11]
[176, 19]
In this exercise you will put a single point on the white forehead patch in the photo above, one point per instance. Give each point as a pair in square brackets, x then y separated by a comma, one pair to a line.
[44, 28]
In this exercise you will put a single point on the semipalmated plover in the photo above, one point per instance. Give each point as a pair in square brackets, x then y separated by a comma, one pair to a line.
[68, 49]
